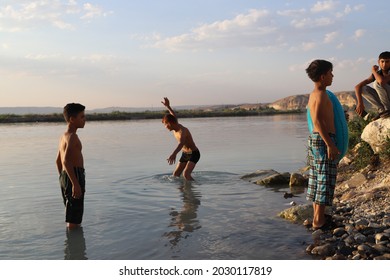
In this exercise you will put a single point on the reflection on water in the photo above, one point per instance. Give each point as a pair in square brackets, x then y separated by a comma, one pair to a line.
[75, 248]
[185, 221]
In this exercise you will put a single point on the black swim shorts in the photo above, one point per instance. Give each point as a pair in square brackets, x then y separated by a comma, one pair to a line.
[74, 208]
[193, 157]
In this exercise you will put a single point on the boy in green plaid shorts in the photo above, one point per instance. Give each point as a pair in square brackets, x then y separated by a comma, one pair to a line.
[323, 152]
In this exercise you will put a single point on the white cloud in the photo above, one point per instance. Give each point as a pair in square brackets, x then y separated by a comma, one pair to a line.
[96, 58]
[358, 7]
[359, 33]
[351, 64]
[42, 56]
[21, 15]
[330, 37]
[307, 46]
[264, 30]
[244, 29]
[93, 11]
[292, 13]
[347, 9]
[312, 23]
[304, 46]
[322, 6]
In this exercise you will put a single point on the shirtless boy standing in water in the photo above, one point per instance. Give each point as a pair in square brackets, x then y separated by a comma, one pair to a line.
[323, 152]
[70, 165]
[191, 154]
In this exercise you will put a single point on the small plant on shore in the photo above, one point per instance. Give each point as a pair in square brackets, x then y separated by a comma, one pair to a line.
[355, 128]
[363, 155]
[385, 153]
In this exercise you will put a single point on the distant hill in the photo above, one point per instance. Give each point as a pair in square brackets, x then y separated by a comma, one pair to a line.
[294, 102]
[299, 102]
[58, 110]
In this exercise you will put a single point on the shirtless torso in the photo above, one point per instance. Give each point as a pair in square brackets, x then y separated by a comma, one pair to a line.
[183, 135]
[70, 157]
[70, 150]
[321, 112]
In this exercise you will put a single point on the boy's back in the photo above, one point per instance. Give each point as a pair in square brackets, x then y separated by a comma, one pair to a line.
[321, 111]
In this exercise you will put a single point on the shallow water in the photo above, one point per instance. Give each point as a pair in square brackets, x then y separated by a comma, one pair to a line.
[134, 208]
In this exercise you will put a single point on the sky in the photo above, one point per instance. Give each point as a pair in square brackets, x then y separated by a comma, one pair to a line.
[195, 52]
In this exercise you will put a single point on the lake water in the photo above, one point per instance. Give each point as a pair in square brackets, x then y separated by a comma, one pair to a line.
[134, 209]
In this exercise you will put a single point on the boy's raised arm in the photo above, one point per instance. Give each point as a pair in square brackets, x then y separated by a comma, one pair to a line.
[166, 103]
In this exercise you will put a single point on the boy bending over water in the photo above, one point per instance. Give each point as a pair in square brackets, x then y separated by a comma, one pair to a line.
[70, 165]
[191, 154]
[323, 152]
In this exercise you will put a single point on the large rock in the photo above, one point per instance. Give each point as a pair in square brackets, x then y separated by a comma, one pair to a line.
[297, 213]
[275, 180]
[258, 175]
[376, 134]
[298, 180]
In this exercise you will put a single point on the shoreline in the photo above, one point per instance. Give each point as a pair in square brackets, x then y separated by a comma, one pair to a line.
[360, 216]
[123, 116]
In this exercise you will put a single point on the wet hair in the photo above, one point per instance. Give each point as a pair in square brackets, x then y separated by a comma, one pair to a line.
[384, 55]
[169, 118]
[317, 68]
[72, 110]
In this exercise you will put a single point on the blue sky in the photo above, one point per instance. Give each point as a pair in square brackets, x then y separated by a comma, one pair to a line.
[133, 53]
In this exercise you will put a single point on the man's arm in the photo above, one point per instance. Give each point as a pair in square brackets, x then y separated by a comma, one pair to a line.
[319, 117]
[172, 157]
[69, 167]
[358, 92]
[181, 139]
[167, 105]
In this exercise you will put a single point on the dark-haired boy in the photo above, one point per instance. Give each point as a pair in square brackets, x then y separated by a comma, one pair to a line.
[70, 165]
[323, 152]
[191, 154]
[379, 95]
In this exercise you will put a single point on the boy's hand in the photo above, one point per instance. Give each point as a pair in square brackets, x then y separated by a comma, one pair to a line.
[76, 191]
[172, 159]
[333, 152]
[165, 102]
[375, 68]
[359, 109]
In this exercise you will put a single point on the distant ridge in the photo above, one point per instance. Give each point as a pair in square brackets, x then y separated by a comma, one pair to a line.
[293, 102]
[299, 102]
[58, 110]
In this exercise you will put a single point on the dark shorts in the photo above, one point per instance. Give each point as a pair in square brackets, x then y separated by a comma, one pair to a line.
[193, 157]
[323, 171]
[74, 208]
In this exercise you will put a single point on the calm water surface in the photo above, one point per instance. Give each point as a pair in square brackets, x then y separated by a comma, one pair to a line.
[134, 209]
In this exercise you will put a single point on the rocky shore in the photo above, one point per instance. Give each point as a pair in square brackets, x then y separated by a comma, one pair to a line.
[361, 207]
